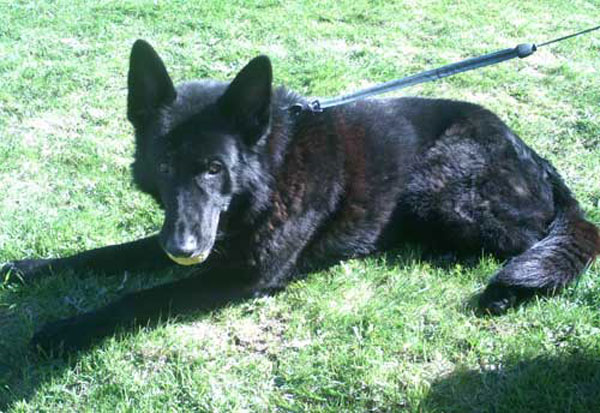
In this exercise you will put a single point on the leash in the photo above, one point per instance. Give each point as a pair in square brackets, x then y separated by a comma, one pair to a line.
[521, 51]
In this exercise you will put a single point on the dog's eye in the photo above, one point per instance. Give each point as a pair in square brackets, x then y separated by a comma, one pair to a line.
[164, 168]
[214, 167]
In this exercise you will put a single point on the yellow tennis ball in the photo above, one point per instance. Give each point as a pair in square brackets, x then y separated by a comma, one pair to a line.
[189, 260]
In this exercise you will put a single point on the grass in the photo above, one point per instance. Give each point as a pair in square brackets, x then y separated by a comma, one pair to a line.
[387, 333]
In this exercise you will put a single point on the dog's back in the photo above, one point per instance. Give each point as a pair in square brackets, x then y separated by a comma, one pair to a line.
[448, 174]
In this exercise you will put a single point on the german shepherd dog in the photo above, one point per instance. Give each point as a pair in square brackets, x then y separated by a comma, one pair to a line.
[279, 193]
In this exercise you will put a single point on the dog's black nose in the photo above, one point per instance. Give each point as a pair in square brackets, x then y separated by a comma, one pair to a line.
[185, 247]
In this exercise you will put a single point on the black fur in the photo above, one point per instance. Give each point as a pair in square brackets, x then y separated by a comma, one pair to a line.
[280, 194]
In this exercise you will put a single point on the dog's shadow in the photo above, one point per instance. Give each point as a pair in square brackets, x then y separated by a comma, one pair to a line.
[23, 369]
[567, 382]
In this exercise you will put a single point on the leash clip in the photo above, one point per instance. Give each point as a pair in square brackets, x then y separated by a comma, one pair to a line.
[298, 108]
[315, 106]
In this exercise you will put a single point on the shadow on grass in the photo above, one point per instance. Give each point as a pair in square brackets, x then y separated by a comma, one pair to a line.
[18, 372]
[25, 309]
[23, 370]
[568, 383]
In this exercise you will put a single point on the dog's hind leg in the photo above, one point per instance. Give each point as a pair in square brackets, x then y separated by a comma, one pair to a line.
[143, 254]
[479, 187]
[547, 266]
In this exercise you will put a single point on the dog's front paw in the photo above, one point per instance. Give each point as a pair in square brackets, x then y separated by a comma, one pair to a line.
[66, 335]
[24, 271]
[56, 336]
[76, 333]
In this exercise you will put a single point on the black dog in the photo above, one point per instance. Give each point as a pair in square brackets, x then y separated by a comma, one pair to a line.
[280, 193]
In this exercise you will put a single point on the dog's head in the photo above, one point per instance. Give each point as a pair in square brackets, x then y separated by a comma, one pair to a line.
[194, 145]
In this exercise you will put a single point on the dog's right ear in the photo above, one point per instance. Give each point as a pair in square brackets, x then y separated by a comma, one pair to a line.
[149, 84]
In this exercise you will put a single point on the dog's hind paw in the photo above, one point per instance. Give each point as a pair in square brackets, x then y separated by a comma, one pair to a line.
[497, 299]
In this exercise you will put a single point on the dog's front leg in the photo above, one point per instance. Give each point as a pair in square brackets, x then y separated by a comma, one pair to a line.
[276, 248]
[206, 291]
[143, 254]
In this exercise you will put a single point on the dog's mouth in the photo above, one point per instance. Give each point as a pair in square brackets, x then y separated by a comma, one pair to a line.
[193, 260]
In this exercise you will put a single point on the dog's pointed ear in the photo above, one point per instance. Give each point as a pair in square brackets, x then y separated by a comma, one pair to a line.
[148, 82]
[247, 100]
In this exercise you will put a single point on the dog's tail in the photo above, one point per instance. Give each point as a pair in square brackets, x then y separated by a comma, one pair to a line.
[569, 247]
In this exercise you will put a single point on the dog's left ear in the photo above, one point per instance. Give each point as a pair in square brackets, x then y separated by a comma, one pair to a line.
[247, 100]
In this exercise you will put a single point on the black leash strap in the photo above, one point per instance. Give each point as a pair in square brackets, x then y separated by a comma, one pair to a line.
[521, 51]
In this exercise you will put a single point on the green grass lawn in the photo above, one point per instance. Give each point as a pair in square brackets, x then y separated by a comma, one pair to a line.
[388, 333]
